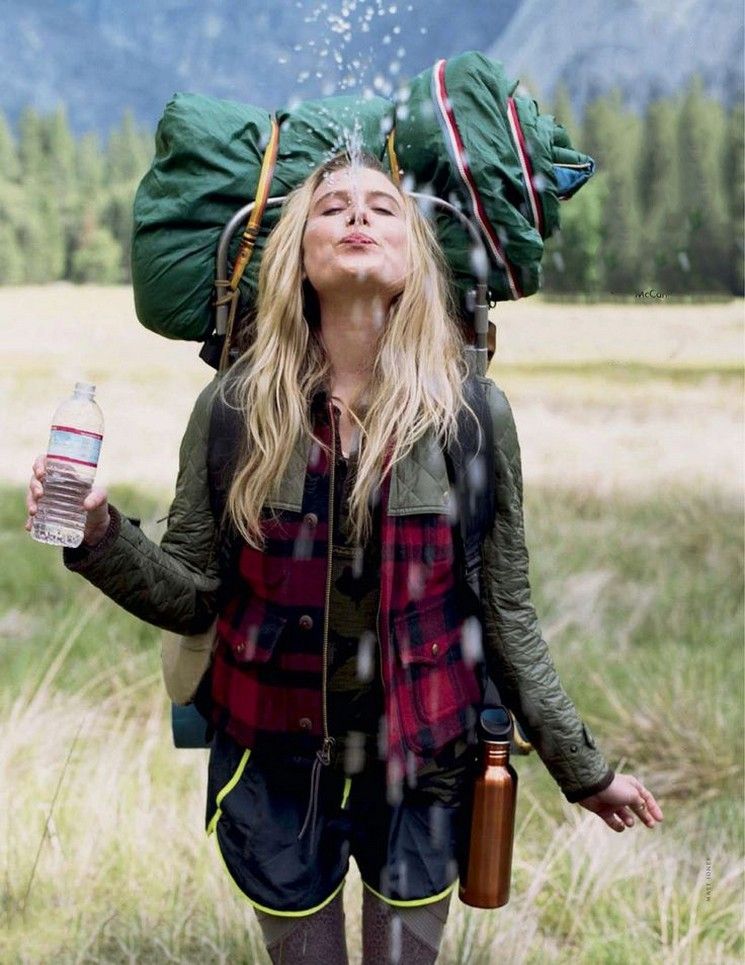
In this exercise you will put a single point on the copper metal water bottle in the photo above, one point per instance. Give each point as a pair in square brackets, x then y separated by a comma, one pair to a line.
[486, 883]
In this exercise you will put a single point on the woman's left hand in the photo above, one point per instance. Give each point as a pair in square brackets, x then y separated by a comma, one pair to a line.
[624, 797]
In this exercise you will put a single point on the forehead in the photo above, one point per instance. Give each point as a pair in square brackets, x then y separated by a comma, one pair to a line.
[353, 180]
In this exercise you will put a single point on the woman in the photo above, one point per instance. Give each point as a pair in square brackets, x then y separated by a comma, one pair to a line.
[342, 692]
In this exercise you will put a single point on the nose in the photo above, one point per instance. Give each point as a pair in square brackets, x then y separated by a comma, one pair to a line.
[357, 213]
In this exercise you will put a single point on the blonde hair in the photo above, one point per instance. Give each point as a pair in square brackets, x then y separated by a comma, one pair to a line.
[416, 380]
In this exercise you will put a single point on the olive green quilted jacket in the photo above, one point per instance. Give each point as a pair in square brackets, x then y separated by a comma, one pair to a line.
[174, 585]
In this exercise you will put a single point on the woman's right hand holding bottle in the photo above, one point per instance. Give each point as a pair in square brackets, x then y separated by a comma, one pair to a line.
[96, 505]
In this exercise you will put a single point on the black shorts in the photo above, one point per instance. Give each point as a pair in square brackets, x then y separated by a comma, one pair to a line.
[408, 853]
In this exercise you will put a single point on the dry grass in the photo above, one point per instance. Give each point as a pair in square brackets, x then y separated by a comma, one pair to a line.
[98, 868]
[100, 847]
[608, 429]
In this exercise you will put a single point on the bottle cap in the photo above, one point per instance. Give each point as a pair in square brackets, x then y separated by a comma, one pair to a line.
[85, 388]
[495, 724]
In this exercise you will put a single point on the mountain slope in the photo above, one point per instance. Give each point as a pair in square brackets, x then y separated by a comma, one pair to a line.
[645, 47]
[100, 56]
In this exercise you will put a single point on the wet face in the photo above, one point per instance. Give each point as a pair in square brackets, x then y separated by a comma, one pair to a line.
[355, 236]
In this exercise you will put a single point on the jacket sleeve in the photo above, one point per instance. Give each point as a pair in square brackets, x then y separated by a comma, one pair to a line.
[516, 654]
[173, 585]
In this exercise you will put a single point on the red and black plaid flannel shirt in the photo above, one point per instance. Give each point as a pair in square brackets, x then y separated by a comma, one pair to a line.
[268, 667]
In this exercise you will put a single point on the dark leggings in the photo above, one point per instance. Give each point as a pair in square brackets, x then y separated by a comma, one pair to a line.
[390, 936]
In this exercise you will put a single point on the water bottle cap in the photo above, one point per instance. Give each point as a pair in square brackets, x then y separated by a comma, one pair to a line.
[495, 724]
[85, 388]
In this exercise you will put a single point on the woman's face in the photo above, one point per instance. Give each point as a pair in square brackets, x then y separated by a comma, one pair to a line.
[356, 235]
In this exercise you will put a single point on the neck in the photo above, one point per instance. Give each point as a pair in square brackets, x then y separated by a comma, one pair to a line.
[350, 330]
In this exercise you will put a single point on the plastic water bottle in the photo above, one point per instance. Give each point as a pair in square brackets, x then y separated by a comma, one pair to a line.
[72, 458]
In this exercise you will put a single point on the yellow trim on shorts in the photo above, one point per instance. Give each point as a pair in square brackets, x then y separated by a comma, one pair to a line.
[412, 902]
[347, 789]
[273, 911]
[227, 789]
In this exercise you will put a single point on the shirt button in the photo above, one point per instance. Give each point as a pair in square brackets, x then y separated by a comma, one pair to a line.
[310, 519]
[573, 748]
[435, 649]
[240, 647]
[305, 622]
[305, 723]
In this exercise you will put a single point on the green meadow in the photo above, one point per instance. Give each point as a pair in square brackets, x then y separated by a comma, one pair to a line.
[639, 591]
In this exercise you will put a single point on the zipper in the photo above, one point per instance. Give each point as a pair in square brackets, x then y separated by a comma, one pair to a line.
[323, 756]
[328, 742]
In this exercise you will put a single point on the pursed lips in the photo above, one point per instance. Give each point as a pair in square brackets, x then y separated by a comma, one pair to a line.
[357, 239]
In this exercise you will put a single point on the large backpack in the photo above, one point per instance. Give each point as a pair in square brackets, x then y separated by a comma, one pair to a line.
[457, 131]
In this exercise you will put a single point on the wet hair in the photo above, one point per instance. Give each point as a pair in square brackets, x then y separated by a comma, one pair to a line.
[416, 380]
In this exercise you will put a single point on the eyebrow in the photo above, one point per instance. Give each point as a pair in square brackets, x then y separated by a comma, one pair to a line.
[346, 195]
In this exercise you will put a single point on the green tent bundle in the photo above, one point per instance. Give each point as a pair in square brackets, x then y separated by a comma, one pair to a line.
[459, 131]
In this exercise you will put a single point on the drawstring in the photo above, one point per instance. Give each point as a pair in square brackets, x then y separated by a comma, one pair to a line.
[323, 759]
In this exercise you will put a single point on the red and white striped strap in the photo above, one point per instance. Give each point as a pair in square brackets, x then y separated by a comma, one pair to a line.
[458, 154]
[523, 152]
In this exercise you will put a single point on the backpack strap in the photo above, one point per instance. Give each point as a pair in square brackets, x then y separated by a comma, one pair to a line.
[471, 470]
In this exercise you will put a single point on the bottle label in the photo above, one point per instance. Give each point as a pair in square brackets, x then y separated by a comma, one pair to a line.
[74, 445]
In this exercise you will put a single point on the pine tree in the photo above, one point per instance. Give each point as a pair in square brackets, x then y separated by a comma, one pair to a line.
[734, 181]
[611, 135]
[60, 150]
[128, 153]
[572, 261]
[701, 199]
[61, 177]
[97, 257]
[90, 166]
[9, 164]
[31, 146]
[658, 182]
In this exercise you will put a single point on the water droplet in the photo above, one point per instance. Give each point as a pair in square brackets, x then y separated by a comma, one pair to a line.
[366, 657]
[479, 261]
[471, 641]
[354, 752]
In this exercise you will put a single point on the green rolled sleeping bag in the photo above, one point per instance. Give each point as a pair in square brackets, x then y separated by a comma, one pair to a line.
[460, 134]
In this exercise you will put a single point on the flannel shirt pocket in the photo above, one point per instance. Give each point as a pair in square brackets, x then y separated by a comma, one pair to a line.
[252, 631]
[434, 687]
[424, 635]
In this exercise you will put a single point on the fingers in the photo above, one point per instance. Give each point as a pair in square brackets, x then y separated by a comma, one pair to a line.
[35, 489]
[615, 823]
[95, 499]
[644, 804]
[40, 466]
[645, 808]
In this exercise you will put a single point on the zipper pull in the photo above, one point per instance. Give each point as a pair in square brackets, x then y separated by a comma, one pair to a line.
[324, 755]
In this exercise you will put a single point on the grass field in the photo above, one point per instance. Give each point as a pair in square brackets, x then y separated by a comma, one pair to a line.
[630, 420]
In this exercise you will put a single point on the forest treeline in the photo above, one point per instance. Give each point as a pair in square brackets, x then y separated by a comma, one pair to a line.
[662, 215]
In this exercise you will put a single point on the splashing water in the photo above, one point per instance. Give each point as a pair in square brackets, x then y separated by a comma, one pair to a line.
[341, 26]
